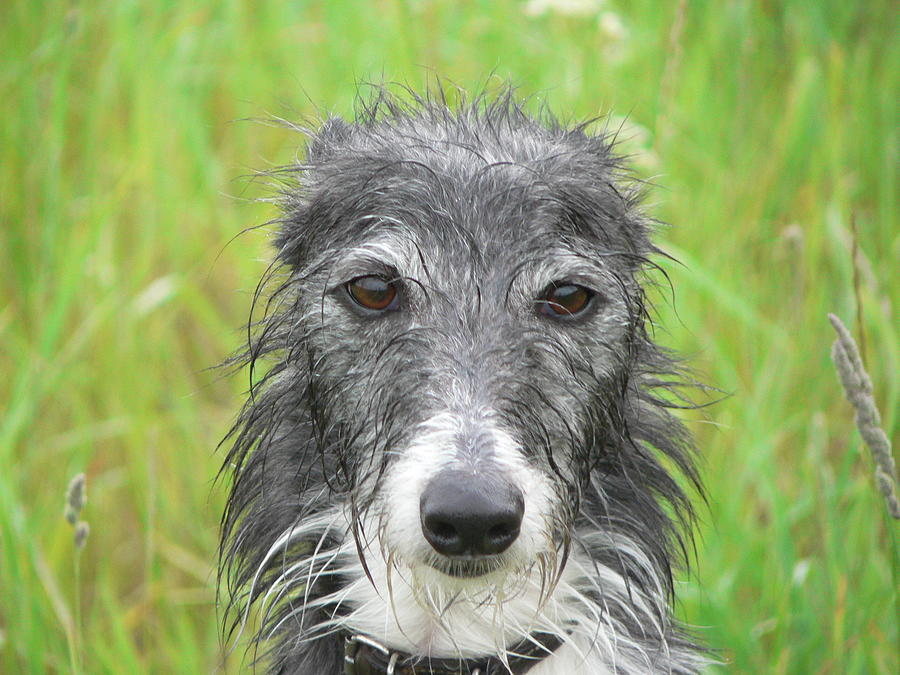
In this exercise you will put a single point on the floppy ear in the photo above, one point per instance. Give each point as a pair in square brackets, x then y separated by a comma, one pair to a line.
[334, 134]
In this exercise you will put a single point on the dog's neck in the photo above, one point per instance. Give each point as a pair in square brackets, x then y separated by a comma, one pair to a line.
[365, 656]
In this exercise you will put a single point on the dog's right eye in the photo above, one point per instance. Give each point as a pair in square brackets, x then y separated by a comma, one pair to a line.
[565, 301]
[374, 293]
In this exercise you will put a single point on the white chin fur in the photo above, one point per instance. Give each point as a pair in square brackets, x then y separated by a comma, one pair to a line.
[421, 611]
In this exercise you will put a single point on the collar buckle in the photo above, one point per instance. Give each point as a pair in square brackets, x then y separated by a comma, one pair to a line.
[351, 649]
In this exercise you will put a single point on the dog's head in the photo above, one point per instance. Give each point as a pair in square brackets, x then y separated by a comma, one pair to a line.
[460, 360]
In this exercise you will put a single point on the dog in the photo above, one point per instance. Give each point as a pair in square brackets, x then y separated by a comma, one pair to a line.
[460, 455]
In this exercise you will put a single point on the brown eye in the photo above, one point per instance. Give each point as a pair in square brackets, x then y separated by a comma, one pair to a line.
[565, 301]
[373, 292]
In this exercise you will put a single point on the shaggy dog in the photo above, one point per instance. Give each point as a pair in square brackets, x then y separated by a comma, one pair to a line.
[459, 456]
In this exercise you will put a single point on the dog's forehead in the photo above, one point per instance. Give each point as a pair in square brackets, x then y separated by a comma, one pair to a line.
[475, 249]
[482, 215]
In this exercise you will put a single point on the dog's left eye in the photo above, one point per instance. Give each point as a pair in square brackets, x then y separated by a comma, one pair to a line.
[374, 293]
[565, 301]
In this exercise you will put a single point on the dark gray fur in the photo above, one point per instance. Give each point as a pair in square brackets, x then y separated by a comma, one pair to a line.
[489, 198]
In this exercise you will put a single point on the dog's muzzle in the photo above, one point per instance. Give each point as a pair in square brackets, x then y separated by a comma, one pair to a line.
[365, 656]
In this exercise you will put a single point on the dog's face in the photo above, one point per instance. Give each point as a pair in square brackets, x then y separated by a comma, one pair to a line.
[467, 313]
[453, 447]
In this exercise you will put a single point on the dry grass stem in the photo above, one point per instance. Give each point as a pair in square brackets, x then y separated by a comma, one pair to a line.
[857, 288]
[670, 73]
[76, 498]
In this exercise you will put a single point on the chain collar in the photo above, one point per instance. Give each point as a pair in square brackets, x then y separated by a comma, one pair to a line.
[366, 656]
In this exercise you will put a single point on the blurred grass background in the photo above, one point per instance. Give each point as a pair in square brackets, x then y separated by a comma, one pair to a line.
[768, 126]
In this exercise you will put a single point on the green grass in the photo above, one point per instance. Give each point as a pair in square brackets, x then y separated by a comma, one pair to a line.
[767, 125]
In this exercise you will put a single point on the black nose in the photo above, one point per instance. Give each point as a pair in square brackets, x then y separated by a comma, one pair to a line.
[470, 514]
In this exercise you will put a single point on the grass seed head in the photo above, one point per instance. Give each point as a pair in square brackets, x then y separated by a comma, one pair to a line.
[858, 389]
[76, 496]
[82, 530]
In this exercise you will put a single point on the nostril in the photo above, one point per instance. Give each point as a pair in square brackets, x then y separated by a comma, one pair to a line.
[499, 537]
[500, 532]
[442, 531]
[443, 536]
